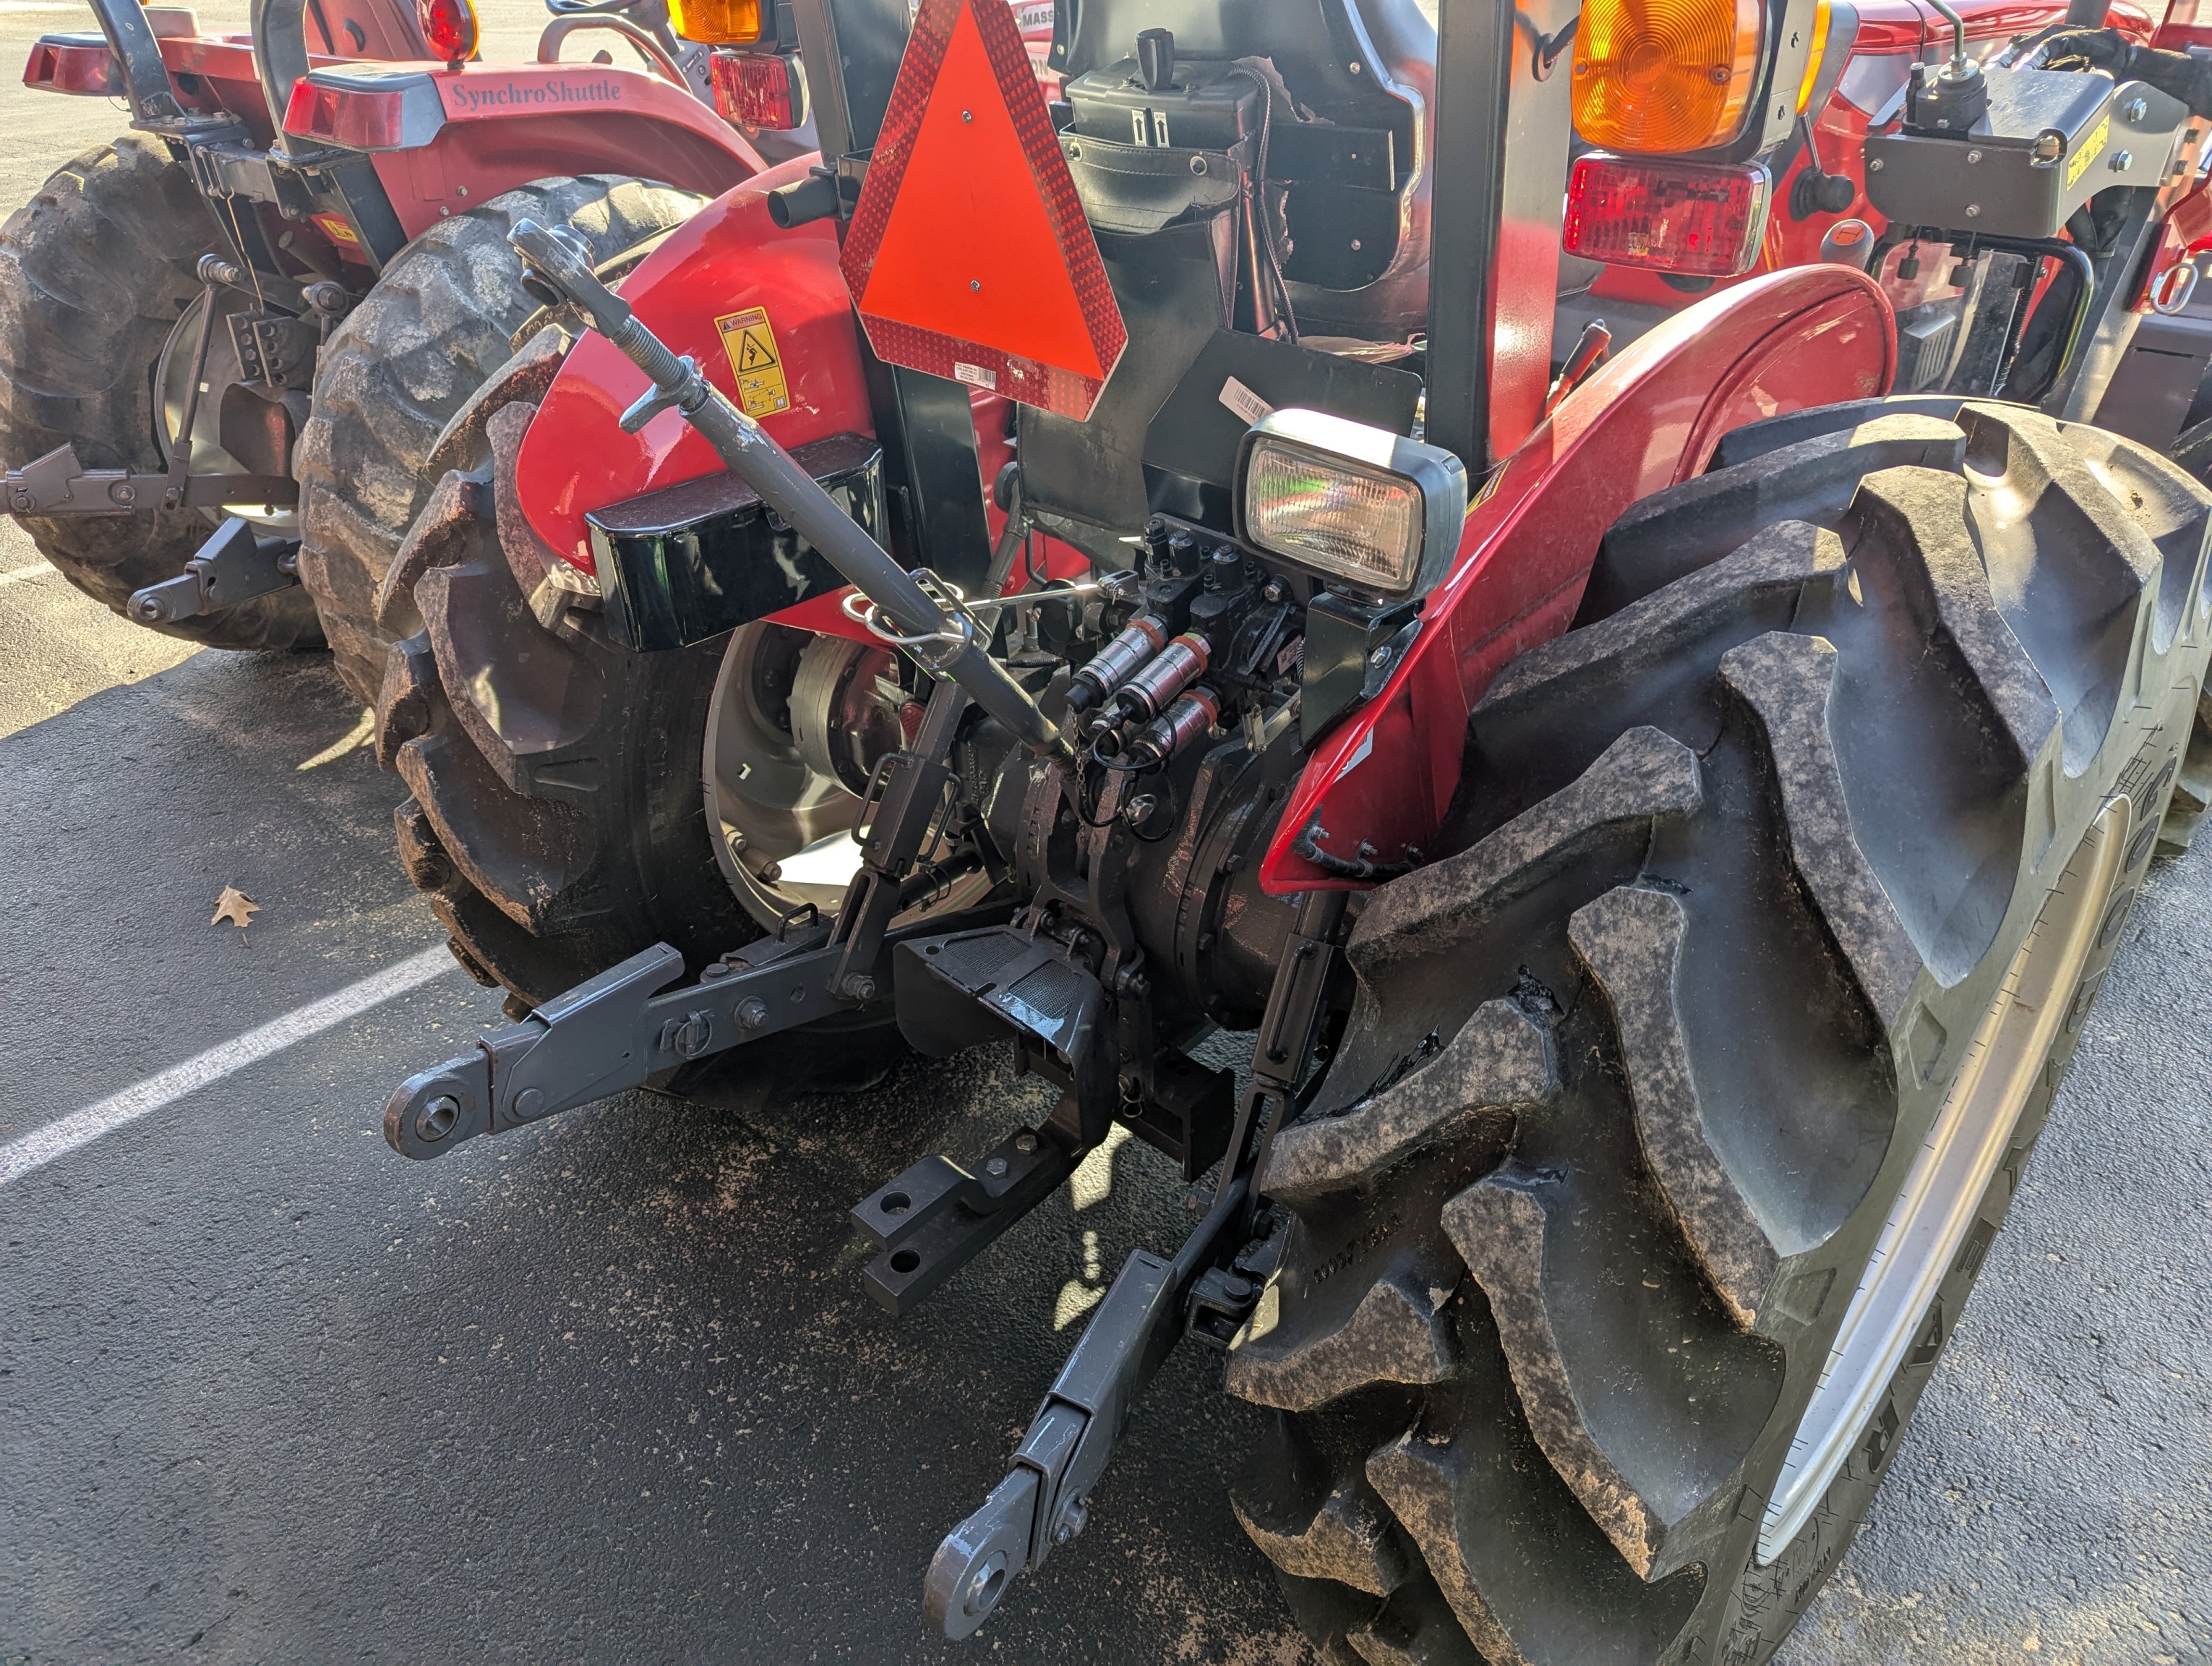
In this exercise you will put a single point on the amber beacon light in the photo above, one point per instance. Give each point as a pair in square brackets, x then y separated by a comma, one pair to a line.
[1665, 75]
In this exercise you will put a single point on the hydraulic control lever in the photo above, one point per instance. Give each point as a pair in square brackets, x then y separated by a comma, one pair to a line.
[948, 643]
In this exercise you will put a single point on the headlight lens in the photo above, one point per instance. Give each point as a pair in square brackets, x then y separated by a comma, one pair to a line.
[1376, 514]
[1332, 516]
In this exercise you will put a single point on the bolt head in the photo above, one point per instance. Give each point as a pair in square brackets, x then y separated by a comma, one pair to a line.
[1025, 1143]
[2121, 161]
[1973, 156]
[1874, 165]
[752, 1013]
[996, 1168]
[1381, 656]
[1973, 210]
[860, 986]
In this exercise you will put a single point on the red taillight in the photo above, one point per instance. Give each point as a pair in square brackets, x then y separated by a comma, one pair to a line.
[74, 64]
[360, 121]
[449, 28]
[1695, 218]
[364, 109]
[760, 89]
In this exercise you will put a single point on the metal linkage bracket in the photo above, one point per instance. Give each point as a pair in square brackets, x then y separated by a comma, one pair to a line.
[1045, 1501]
[934, 1219]
[233, 567]
[609, 1034]
[58, 484]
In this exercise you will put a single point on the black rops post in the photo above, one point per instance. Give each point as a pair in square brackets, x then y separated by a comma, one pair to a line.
[1474, 79]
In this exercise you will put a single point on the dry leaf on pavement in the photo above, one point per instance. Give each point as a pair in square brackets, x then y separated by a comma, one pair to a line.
[235, 906]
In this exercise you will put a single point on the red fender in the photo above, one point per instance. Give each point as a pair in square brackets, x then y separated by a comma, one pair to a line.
[509, 124]
[1650, 418]
[728, 259]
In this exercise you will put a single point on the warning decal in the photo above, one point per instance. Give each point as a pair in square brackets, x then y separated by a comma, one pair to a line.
[754, 359]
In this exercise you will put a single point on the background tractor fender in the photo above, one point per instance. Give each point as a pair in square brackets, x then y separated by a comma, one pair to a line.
[445, 139]
[1648, 419]
[727, 285]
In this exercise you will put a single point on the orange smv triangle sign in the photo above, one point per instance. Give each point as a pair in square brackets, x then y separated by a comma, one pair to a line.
[968, 255]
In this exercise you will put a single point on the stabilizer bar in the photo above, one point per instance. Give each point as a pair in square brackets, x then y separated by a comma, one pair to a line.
[58, 484]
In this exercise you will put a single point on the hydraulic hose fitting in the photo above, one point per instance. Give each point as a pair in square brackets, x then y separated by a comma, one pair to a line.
[1101, 674]
[1148, 692]
[1187, 719]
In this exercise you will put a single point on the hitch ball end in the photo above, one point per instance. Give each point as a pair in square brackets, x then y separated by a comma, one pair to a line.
[980, 1558]
[165, 603]
[435, 1110]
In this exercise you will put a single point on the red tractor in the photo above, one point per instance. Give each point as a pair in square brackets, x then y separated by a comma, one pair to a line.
[296, 262]
[1088, 574]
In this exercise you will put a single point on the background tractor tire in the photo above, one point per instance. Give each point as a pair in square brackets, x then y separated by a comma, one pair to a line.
[95, 271]
[1791, 867]
[441, 319]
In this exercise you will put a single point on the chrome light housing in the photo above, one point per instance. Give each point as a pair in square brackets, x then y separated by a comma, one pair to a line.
[1368, 512]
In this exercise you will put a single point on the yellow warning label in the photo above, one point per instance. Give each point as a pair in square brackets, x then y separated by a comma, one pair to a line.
[754, 359]
[2091, 146]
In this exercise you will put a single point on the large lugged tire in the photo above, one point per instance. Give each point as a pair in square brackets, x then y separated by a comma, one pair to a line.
[95, 271]
[1680, 1102]
[556, 820]
[440, 320]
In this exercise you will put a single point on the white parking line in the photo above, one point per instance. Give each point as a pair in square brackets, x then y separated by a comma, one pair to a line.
[42, 1146]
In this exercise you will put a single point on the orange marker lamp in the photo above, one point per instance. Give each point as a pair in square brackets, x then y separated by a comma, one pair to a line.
[717, 23]
[1666, 76]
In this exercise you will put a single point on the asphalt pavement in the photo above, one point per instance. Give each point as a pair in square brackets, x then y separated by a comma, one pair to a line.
[609, 1389]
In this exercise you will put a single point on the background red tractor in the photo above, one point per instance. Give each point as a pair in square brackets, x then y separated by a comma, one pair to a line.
[1662, 824]
[296, 261]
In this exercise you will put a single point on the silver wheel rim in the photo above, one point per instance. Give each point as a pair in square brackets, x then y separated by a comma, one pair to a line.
[780, 797]
[781, 827]
[208, 456]
[1931, 1215]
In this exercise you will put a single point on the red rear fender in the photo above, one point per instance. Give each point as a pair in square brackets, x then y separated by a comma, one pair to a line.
[698, 292]
[1812, 336]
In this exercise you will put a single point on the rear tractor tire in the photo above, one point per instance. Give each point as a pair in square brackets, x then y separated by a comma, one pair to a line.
[440, 320]
[1682, 1097]
[97, 273]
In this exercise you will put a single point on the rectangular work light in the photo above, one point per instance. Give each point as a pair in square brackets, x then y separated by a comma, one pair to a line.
[1370, 512]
